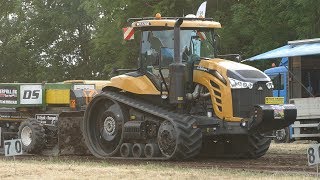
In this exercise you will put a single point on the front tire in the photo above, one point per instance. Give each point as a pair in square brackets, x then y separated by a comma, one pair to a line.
[258, 145]
[32, 135]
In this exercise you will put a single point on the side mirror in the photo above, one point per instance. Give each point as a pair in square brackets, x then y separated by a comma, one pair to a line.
[217, 44]
[238, 58]
[166, 56]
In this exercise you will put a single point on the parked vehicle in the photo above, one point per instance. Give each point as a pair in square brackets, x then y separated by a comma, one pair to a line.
[297, 80]
[46, 116]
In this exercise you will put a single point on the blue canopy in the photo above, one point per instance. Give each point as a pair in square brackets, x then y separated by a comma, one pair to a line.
[289, 51]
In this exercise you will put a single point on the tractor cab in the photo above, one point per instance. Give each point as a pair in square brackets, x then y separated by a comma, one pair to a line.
[157, 48]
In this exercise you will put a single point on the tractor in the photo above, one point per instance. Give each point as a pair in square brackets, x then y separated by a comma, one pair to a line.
[183, 100]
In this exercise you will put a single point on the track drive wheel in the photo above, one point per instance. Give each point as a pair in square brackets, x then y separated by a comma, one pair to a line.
[32, 135]
[102, 126]
[258, 145]
[178, 140]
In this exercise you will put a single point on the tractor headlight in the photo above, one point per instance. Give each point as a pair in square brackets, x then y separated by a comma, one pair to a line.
[236, 84]
[269, 85]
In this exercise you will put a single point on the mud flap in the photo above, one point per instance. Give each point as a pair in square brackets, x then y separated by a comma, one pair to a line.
[272, 117]
[70, 139]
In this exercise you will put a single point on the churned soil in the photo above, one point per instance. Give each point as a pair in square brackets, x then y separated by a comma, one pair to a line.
[285, 161]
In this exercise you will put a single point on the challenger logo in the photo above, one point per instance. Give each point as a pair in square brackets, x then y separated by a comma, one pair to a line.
[202, 69]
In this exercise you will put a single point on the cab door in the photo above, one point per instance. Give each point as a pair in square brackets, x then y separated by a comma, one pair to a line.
[279, 81]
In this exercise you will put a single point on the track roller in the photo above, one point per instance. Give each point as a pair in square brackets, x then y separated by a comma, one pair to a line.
[151, 150]
[126, 150]
[138, 150]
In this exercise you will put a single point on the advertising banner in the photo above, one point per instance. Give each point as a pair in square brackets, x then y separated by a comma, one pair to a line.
[8, 95]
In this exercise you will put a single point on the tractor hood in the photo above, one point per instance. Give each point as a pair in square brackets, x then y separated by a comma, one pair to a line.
[235, 70]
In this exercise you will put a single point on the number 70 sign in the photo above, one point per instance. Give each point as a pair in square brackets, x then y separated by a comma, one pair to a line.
[313, 154]
[13, 147]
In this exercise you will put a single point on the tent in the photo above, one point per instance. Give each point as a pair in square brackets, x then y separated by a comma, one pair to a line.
[294, 48]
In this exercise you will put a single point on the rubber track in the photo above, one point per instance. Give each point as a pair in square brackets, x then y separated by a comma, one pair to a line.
[189, 140]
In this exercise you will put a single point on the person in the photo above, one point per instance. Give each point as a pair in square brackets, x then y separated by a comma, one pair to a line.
[154, 51]
[155, 42]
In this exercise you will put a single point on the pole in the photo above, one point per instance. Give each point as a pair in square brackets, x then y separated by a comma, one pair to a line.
[317, 171]
[14, 164]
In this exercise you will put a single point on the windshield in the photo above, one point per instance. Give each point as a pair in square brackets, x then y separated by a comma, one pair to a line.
[192, 42]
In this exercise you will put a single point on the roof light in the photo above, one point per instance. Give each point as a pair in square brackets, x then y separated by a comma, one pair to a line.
[158, 16]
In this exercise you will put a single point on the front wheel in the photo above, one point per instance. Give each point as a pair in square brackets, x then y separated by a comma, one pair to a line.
[258, 145]
[282, 135]
[32, 135]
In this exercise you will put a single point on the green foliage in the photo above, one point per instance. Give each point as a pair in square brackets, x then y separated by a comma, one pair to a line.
[55, 40]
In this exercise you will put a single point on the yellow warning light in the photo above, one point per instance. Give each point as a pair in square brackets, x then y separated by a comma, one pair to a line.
[158, 16]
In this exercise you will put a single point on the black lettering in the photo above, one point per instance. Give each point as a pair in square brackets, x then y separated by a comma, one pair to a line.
[35, 94]
[27, 94]
[18, 147]
[311, 156]
[8, 144]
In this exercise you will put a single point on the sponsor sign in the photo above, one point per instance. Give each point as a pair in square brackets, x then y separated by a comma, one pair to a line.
[13, 147]
[274, 100]
[47, 119]
[143, 23]
[278, 111]
[31, 94]
[83, 86]
[8, 95]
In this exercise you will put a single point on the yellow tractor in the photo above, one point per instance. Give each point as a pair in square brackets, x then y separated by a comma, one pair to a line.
[183, 100]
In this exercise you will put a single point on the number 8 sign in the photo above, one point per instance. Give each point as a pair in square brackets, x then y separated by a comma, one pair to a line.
[313, 154]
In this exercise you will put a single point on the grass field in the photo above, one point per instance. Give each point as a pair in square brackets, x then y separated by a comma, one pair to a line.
[64, 168]
[298, 147]
[53, 169]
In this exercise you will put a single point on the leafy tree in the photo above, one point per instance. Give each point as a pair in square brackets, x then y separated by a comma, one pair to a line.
[54, 40]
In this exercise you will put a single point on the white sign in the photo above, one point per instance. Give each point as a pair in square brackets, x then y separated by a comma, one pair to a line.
[83, 86]
[313, 154]
[13, 147]
[48, 119]
[31, 94]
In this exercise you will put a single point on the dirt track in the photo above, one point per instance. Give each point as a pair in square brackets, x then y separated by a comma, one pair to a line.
[286, 157]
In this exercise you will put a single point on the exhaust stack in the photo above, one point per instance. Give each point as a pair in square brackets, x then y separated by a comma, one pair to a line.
[177, 92]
